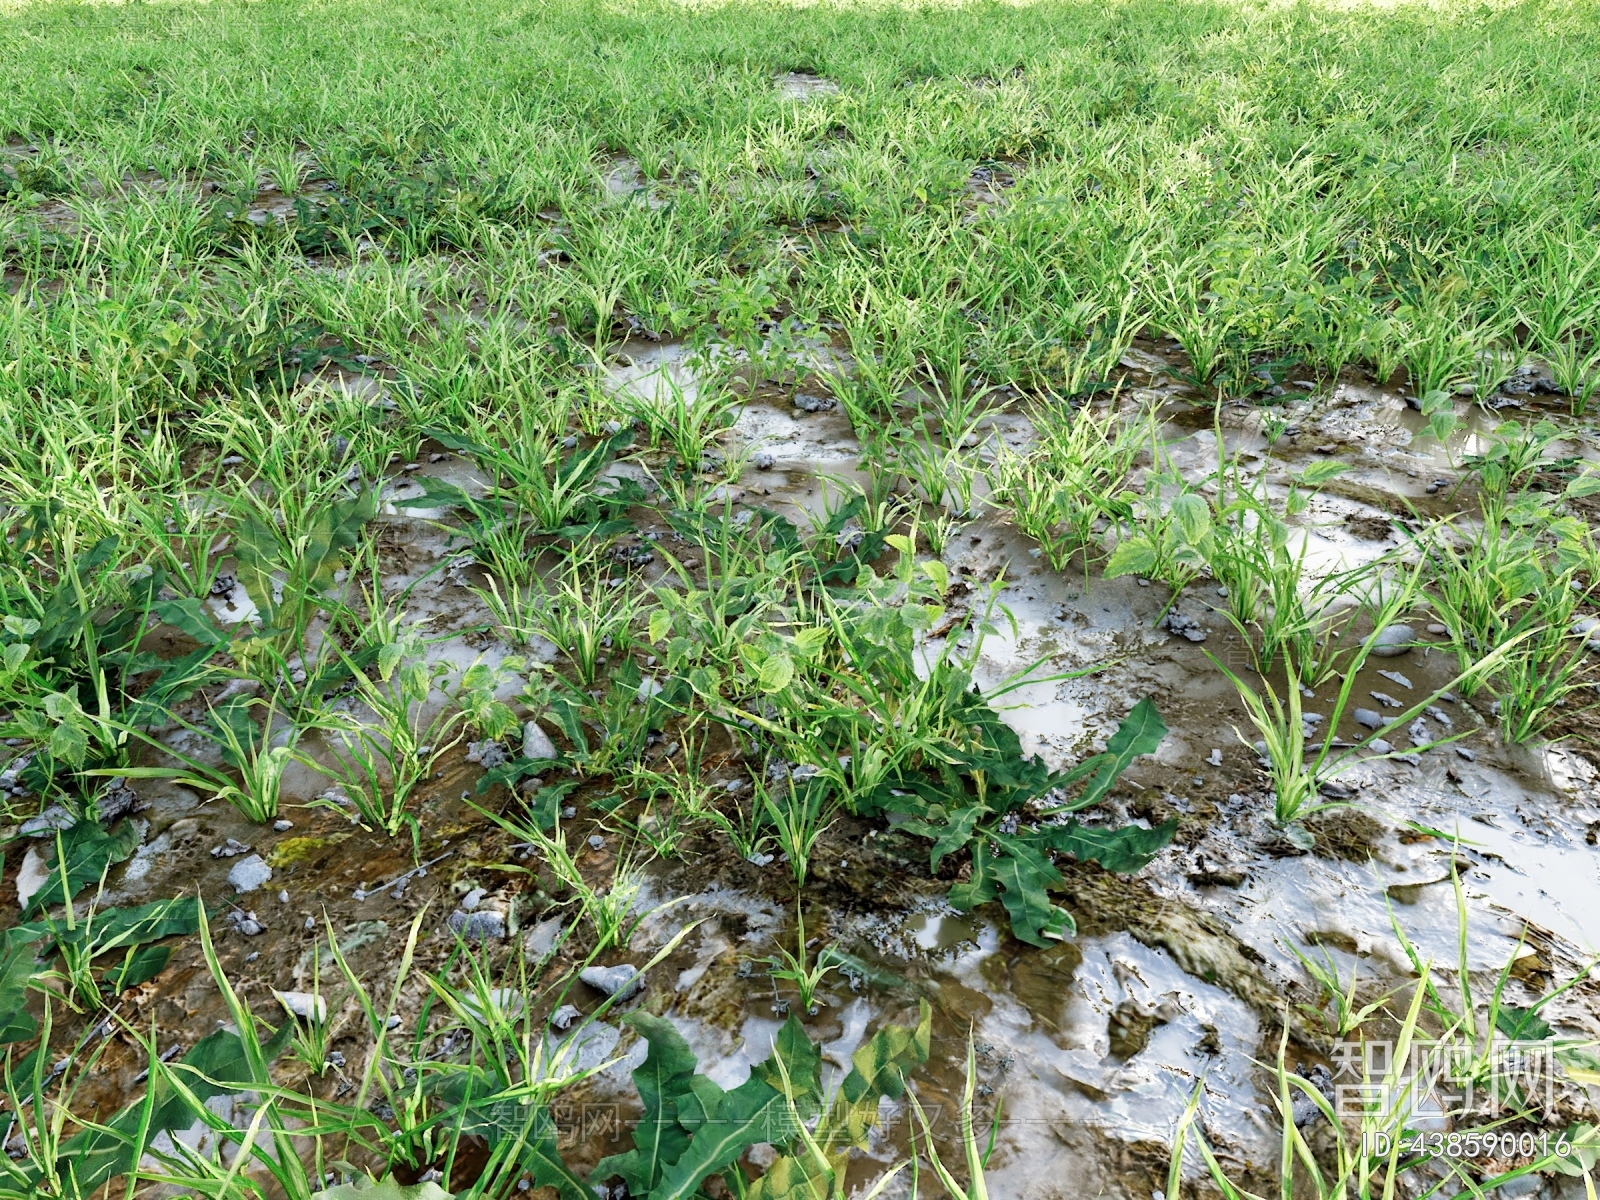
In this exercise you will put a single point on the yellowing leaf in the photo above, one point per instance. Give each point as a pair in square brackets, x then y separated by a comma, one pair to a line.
[776, 673]
[660, 625]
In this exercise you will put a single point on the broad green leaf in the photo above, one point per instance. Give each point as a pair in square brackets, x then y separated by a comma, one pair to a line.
[795, 1177]
[16, 968]
[956, 833]
[1193, 517]
[87, 850]
[139, 965]
[755, 1111]
[1586, 484]
[879, 1067]
[1133, 556]
[983, 886]
[801, 1061]
[189, 616]
[776, 673]
[543, 1161]
[214, 1066]
[660, 625]
[1141, 732]
[1061, 927]
[1521, 1024]
[116, 928]
[1026, 898]
[1124, 850]
[661, 1080]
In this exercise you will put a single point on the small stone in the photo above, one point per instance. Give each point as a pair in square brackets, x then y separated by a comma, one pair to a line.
[1418, 732]
[540, 941]
[1379, 746]
[472, 899]
[596, 842]
[307, 1006]
[477, 926]
[1393, 641]
[814, 404]
[249, 874]
[621, 981]
[1142, 582]
[229, 849]
[1214, 758]
[310, 924]
[762, 460]
[1437, 629]
[283, 897]
[51, 819]
[564, 1016]
[1385, 699]
[1396, 677]
[487, 754]
[649, 687]
[246, 924]
[282, 825]
[1468, 755]
[118, 800]
[1368, 718]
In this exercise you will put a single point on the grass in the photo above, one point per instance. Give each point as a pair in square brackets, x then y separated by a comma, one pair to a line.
[259, 301]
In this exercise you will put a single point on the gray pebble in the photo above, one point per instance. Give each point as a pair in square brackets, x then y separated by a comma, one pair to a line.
[1379, 746]
[246, 924]
[762, 460]
[1396, 677]
[478, 926]
[621, 981]
[1466, 754]
[282, 825]
[1392, 641]
[536, 743]
[1385, 699]
[249, 874]
[564, 1016]
[1368, 718]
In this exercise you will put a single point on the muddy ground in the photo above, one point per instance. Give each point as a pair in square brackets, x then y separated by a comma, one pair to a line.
[1183, 974]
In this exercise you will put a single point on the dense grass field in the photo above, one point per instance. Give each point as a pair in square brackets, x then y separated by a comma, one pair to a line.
[592, 408]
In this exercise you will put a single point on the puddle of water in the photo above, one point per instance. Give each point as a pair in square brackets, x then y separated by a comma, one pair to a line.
[655, 374]
[799, 85]
[938, 932]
